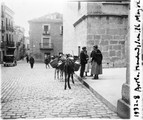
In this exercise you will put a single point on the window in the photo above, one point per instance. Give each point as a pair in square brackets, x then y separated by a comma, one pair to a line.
[61, 30]
[7, 38]
[12, 37]
[2, 38]
[46, 29]
[6, 24]
[46, 42]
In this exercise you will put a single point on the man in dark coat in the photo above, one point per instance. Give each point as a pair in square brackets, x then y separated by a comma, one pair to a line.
[27, 58]
[83, 61]
[31, 60]
[47, 61]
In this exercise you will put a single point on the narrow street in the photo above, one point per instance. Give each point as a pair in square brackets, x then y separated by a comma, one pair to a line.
[34, 93]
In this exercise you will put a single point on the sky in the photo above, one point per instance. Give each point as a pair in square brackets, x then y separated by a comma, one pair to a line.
[25, 10]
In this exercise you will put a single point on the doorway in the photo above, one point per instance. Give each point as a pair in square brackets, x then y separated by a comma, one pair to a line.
[46, 54]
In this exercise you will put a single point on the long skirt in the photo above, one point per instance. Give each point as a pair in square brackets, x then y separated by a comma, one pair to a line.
[87, 67]
[95, 68]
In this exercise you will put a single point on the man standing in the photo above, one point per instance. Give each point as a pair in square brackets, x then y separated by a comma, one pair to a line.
[83, 61]
[27, 58]
[31, 61]
[97, 57]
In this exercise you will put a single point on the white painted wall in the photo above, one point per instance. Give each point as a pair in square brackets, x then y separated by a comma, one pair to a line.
[69, 17]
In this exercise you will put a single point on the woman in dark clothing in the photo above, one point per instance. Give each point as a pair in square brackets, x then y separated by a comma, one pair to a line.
[97, 57]
[27, 58]
[32, 61]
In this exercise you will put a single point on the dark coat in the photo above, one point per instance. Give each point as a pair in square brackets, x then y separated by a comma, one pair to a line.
[96, 56]
[47, 60]
[83, 58]
[32, 60]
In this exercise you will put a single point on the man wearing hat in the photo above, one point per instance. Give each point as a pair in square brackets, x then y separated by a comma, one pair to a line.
[83, 61]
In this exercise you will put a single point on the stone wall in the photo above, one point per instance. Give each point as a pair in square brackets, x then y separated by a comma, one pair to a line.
[81, 33]
[102, 24]
[109, 33]
[112, 8]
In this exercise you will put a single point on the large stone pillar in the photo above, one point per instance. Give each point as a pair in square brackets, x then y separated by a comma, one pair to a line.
[123, 104]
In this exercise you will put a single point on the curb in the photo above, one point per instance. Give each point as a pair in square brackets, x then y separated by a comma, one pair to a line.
[106, 102]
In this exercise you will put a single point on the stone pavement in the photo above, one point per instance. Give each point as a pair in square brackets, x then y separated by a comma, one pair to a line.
[33, 93]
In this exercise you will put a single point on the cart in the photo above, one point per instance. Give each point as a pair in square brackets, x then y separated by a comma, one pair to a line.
[9, 59]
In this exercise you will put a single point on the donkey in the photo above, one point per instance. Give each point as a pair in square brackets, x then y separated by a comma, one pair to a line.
[69, 71]
[59, 70]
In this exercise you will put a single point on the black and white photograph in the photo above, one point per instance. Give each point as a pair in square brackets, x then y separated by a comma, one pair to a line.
[71, 59]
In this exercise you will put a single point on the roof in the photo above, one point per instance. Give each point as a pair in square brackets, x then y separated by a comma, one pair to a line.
[54, 17]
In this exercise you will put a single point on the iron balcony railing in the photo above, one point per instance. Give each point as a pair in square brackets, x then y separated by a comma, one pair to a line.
[10, 44]
[2, 29]
[46, 46]
[7, 44]
[46, 33]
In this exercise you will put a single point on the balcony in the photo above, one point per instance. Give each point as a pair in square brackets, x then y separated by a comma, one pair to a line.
[46, 33]
[3, 44]
[11, 29]
[7, 28]
[10, 44]
[46, 46]
[3, 29]
[2, 15]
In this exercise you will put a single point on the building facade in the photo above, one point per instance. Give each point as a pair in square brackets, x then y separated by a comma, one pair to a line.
[104, 24]
[46, 36]
[27, 45]
[7, 30]
[19, 40]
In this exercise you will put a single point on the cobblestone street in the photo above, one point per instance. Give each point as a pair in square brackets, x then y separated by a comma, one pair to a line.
[34, 93]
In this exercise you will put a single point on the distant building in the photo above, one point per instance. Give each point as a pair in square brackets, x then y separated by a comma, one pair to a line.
[46, 36]
[19, 39]
[27, 45]
[97, 23]
[7, 30]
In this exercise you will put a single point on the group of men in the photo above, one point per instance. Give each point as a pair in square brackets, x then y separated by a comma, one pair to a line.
[95, 60]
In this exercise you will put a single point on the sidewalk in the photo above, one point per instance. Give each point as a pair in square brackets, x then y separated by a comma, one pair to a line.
[108, 87]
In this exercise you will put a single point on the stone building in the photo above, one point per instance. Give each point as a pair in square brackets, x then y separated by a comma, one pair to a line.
[104, 24]
[107, 25]
[7, 30]
[46, 35]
